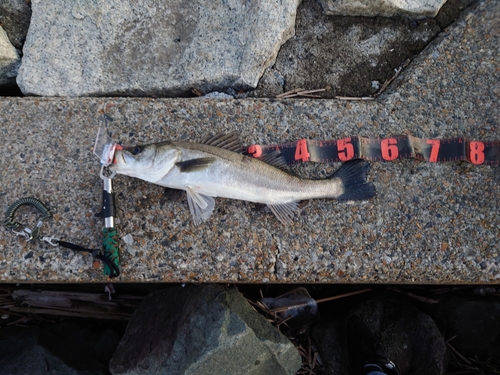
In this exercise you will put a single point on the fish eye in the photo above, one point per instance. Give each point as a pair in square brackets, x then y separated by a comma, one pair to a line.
[136, 150]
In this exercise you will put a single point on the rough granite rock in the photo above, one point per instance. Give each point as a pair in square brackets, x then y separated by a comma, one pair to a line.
[351, 56]
[15, 19]
[9, 60]
[475, 324]
[208, 330]
[405, 335]
[62, 348]
[387, 8]
[149, 48]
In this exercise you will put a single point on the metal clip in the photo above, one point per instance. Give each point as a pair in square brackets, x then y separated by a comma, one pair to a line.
[106, 174]
[50, 240]
[26, 233]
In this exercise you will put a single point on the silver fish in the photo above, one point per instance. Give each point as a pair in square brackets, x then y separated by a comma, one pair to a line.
[215, 168]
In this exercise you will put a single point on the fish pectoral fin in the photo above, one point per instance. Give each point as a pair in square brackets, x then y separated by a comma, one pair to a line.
[200, 205]
[285, 211]
[194, 165]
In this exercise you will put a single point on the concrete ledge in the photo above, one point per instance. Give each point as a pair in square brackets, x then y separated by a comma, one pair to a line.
[430, 223]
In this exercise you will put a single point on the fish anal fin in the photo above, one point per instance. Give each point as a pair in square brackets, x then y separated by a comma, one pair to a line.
[194, 165]
[200, 205]
[228, 141]
[285, 212]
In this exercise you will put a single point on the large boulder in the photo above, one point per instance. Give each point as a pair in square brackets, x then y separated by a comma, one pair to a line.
[202, 330]
[62, 348]
[150, 48]
[9, 60]
[15, 19]
[472, 325]
[404, 334]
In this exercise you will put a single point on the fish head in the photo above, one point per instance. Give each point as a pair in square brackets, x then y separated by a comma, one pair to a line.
[149, 162]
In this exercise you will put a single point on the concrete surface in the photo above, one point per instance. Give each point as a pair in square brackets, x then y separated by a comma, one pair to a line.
[430, 223]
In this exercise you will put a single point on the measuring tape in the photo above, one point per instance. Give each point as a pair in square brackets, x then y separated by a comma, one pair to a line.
[384, 149]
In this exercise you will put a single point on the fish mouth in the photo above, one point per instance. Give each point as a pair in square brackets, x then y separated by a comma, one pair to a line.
[120, 158]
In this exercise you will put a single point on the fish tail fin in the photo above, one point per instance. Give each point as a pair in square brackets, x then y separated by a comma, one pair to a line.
[353, 176]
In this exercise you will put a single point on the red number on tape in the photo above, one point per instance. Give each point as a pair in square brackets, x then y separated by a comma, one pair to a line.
[345, 149]
[476, 152]
[255, 150]
[434, 150]
[389, 148]
[301, 152]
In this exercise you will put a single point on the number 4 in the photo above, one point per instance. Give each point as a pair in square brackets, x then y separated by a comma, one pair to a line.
[301, 152]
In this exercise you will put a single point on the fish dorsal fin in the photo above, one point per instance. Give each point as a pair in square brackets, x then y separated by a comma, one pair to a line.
[200, 205]
[285, 211]
[228, 141]
[276, 159]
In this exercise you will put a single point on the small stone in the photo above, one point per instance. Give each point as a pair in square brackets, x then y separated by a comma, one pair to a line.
[128, 239]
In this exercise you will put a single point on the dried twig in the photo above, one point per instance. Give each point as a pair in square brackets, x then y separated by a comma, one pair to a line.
[343, 295]
[414, 296]
[353, 98]
[285, 308]
[23, 305]
[457, 353]
[300, 92]
[196, 92]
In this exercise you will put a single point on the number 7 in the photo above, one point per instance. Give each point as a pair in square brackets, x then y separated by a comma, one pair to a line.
[434, 150]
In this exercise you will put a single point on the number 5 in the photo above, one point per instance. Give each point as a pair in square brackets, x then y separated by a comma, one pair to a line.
[345, 149]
